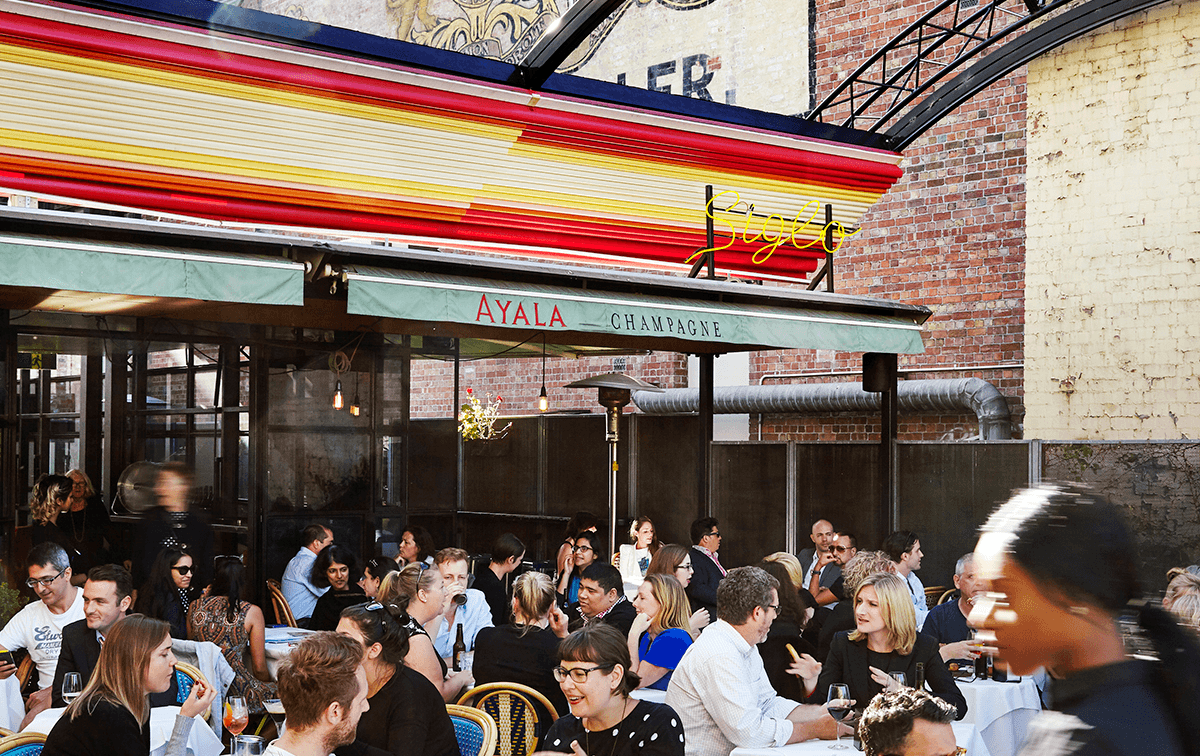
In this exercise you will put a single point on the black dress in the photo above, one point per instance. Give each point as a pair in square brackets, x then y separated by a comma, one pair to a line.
[776, 658]
[407, 716]
[1114, 710]
[497, 598]
[503, 654]
[849, 663]
[41, 532]
[329, 607]
[650, 729]
[87, 530]
[107, 730]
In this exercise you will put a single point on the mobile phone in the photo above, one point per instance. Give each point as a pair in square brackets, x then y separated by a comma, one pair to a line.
[6, 657]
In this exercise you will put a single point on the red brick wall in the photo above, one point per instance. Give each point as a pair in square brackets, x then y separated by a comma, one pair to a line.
[950, 235]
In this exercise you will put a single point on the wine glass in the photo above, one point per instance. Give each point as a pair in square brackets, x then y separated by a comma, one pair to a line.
[237, 716]
[274, 707]
[72, 686]
[899, 677]
[839, 707]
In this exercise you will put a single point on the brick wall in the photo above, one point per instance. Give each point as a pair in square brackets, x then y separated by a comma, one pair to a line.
[950, 235]
[1113, 236]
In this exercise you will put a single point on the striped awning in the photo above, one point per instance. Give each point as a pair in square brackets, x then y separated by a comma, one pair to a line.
[45, 262]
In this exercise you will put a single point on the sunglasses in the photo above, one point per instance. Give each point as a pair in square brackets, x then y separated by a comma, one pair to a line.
[183, 569]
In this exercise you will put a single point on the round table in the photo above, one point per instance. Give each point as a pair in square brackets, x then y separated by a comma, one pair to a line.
[12, 708]
[279, 644]
[965, 735]
[1001, 712]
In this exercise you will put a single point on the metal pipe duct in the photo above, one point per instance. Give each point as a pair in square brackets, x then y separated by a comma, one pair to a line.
[951, 395]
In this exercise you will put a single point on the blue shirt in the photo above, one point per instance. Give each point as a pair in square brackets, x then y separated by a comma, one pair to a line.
[474, 615]
[299, 591]
[665, 650]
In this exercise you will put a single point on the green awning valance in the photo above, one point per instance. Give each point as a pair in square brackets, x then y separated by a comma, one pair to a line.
[481, 302]
[114, 268]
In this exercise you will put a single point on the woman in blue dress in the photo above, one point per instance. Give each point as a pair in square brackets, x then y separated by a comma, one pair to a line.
[661, 632]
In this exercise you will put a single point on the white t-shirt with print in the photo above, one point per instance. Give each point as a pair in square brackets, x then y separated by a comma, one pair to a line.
[39, 631]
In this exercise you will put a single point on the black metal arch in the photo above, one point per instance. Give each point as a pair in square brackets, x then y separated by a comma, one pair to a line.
[1066, 27]
[560, 40]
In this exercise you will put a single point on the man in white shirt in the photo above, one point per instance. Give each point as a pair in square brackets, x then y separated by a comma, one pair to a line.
[473, 616]
[720, 689]
[297, 587]
[904, 549]
[323, 688]
[38, 627]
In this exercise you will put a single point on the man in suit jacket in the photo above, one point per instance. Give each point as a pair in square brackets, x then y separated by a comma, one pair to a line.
[820, 565]
[107, 595]
[707, 571]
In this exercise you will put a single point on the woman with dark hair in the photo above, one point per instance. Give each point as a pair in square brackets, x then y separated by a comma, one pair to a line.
[580, 521]
[884, 640]
[406, 714]
[335, 568]
[1061, 562]
[633, 558]
[416, 545]
[587, 550]
[238, 628]
[676, 560]
[376, 570]
[168, 592]
[526, 650]
[785, 631]
[112, 715]
[594, 674]
[421, 593]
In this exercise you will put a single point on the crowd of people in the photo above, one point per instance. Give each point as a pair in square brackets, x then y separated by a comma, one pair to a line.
[746, 656]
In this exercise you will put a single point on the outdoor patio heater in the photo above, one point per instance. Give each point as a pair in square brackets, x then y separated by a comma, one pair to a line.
[614, 392]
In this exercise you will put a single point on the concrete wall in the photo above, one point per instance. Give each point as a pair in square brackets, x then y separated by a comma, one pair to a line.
[1113, 322]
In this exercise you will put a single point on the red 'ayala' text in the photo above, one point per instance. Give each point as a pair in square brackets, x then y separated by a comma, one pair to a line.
[513, 312]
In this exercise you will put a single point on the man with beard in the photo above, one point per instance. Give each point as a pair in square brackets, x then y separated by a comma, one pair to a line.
[323, 689]
[720, 689]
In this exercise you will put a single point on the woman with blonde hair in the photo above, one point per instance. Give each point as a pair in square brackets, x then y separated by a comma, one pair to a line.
[51, 495]
[421, 594]
[794, 569]
[526, 650]
[112, 715]
[676, 561]
[661, 632]
[884, 641]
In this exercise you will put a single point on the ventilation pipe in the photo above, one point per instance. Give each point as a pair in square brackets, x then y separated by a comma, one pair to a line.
[948, 395]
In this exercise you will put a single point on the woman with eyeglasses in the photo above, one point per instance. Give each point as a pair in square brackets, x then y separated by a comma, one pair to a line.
[335, 568]
[112, 715]
[661, 632]
[377, 569]
[633, 559]
[526, 650]
[168, 593]
[1065, 596]
[85, 520]
[564, 562]
[407, 714]
[238, 627]
[421, 594]
[676, 561]
[594, 674]
[885, 640]
[585, 552]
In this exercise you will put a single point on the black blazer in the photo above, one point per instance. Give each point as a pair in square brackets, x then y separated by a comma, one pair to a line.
[847, 663]
[79, 653]
[702, 591]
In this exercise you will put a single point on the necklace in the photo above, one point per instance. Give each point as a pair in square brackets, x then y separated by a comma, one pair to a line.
[587, 734]
[78, 534]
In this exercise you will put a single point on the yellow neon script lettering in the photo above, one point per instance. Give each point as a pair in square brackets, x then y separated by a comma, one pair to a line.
[772, 244]
[708, 210]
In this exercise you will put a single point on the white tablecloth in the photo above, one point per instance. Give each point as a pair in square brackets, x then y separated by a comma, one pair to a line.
[12, 708]
[201, 742]
[649, 694]
[964, 734]
[279, 643]
[1001, 711]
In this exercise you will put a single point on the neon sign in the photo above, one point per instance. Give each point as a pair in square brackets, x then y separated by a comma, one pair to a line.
[774, 221]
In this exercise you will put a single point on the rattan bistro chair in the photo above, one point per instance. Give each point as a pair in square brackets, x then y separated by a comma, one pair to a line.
[186, 676]
[475, 730]
[283, 611]
[522, 715]
[23, 744]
